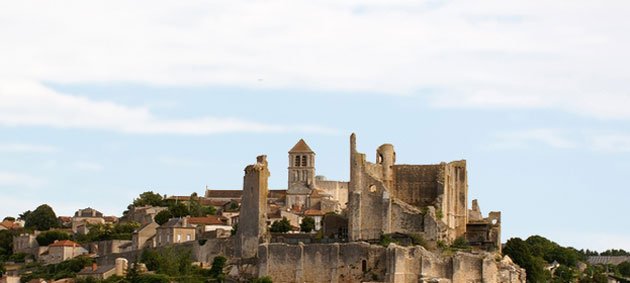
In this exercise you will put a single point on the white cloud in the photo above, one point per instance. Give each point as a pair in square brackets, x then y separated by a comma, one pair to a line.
[88, 166]
[611, 142]
[24, 147]
[568, 55]
[517, 139]
[13, 179]
[25, 103]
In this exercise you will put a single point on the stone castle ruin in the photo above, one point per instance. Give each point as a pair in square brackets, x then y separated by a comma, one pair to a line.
[382, 198]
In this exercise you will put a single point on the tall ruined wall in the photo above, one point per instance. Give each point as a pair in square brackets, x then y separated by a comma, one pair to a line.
[252, 227]
[417, 184]
[348, 262]
[454, 200]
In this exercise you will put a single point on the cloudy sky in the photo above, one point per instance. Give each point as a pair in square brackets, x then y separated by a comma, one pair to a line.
[102, 100]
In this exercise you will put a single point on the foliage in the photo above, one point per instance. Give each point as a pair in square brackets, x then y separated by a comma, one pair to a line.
[418, 240]
[385, 240]
[564, 274]
[307, 225]
[9, 218]
[6, 242]
[65, 269]
[460, 244]
[234, 229]
[521, 254]
[42, 218]
[170, 261]
[2, 269]
[163, 216]
[148, 198]
[264, 279]
[624, 268]
[216, 271]
[179, 209]
[24, 215]
[615, 252]
[106, 232]
[19, 257]
[49, 237]
[281, 226]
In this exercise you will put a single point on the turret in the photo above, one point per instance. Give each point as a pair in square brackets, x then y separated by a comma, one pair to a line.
[386, 157]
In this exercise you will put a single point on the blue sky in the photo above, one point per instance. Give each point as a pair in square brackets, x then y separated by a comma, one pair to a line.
[100, 101]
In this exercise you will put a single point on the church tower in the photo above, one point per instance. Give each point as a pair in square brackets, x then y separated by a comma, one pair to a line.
[301, 173]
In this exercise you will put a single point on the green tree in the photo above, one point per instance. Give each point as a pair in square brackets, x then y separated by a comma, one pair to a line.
[149, 198]
[163, 216]
[461, 244]
[42, 218]
[179, 209]
[216, 271]
[615, 252]
[307, 225]
[49, 237]
[9, 218]
[281, 226]
[521, 254]
[624, 268]
[264, 279]
[6, 242]
[564, 274]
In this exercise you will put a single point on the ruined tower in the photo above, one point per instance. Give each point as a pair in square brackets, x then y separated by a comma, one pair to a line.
[252, 227]
[301, 174]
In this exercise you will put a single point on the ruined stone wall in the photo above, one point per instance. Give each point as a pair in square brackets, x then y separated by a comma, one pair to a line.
[415, 264]
[252, 227]
[338, 190]
[454, 198]
[348, 262]
[416, 184]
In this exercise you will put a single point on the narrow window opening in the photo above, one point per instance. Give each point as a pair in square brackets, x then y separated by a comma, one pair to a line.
[364, 265]
[297, 161]
[303, 160]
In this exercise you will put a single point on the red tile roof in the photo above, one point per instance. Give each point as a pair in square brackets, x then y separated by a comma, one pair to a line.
[64, 243]
[208, 220]
[301, 146]
[313, 212]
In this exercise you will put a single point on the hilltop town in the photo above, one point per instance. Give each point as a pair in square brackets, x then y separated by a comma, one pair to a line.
[388, 223]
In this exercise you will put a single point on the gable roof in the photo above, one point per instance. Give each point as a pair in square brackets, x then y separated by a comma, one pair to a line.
[301, 146]
[65, 243]
[208, 220]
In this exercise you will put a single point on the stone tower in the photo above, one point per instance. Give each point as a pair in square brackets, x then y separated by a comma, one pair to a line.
[252, 227]
[301, 174]
[301, 165]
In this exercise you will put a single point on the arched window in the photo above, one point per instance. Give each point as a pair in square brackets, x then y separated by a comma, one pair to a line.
[297, 161]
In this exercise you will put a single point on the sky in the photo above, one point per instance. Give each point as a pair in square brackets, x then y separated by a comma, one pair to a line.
[103, 100]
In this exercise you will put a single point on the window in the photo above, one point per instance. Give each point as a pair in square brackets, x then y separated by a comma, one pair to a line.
[303, 160]
[188, 237]
[179, 238]
[297, 161]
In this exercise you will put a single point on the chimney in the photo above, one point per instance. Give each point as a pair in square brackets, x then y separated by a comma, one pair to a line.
[94, 266]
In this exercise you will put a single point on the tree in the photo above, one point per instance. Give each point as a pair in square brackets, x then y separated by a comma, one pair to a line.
[307, 225]
[149, 198]
[624, 268]
[216, 271]
[521, 254]
[281, 226]
[163, 216]
[42, 218]
[49, 237]
[6, 242]
[615, 252]
[24, 215]
[9, 218]
[179, 210]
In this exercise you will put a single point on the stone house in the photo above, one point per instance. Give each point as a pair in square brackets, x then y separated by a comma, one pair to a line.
[26, 243]
[142, 214]
[176, 230]
[144, 237]
[317, 215]
[84, 217]
[95, 271]
[62, 250]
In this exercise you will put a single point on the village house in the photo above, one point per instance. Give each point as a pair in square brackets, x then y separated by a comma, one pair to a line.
[175, 231]
[62, 250]
[144, 237]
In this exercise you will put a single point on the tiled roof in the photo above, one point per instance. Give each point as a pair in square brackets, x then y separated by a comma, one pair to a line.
[313, 212]
[208, 220]
[224, 193]
[176, 223]
[301, 146]
[64, 243]
[614, 260]
[99, 269]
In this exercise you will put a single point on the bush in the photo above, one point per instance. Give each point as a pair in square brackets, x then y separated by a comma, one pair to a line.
[307, 225]
[265, 279]
[281, 226]
[49, 237]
